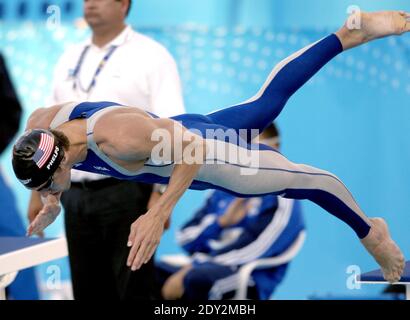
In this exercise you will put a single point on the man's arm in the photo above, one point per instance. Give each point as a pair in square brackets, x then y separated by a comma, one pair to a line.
[195, 234]
[209, 222]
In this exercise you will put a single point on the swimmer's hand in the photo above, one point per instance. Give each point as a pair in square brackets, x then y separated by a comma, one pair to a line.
[145, 236]
[46, 216]
[147, 230]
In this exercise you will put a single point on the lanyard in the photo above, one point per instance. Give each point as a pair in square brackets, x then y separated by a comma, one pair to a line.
[97, 72]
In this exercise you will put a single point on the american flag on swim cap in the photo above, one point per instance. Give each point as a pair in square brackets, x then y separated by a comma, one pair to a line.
[44, 150]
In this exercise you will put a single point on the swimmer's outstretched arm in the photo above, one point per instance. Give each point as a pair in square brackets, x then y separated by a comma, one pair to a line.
[147, 230]
[137, 140]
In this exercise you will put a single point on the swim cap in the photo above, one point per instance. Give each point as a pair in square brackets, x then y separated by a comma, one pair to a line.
[36, 156]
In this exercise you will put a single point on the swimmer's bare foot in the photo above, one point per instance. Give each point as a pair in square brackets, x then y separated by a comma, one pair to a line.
[369, 26]
[384, 250]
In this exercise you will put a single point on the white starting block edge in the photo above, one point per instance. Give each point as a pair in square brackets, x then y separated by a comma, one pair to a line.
[33, 255]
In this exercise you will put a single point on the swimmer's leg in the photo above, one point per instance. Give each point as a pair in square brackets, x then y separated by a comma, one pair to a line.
[284, 80]
[293, 72]
[276, 174]
[326, 190]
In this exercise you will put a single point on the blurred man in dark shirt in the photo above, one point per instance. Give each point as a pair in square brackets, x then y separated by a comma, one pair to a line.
[24, 286]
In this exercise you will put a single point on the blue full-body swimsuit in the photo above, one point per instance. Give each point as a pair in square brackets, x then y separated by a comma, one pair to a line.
[272, 173]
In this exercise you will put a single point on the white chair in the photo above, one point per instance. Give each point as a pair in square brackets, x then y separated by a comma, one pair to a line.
[6, 280]
[176, 260]
[244, 273]
[246, 270]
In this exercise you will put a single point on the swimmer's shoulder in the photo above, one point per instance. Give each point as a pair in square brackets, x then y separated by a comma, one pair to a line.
[42, 117]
